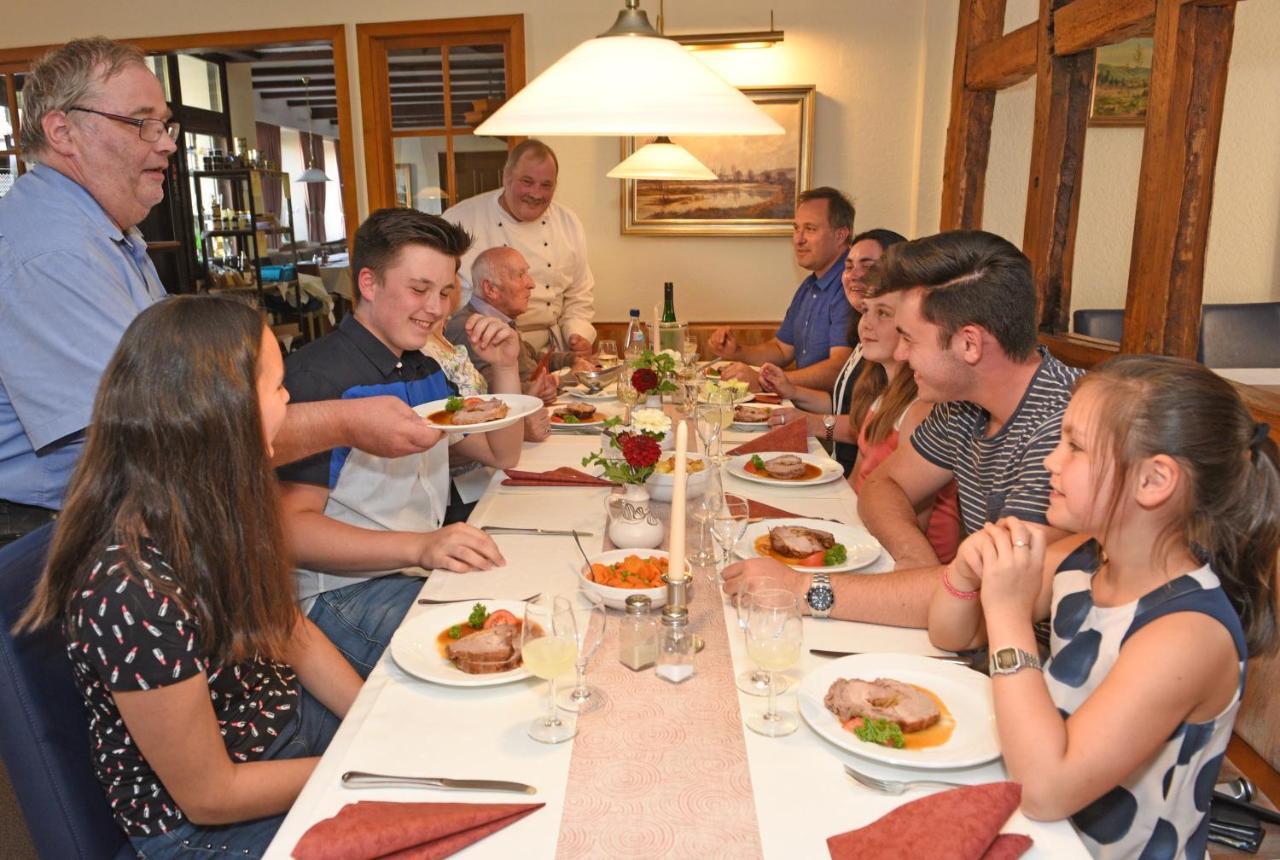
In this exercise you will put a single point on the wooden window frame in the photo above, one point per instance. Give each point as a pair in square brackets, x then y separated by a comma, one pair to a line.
[1192, 47]
[373, 41]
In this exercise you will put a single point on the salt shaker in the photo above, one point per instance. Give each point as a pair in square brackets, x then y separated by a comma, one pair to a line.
[675, 646]
[638, 634]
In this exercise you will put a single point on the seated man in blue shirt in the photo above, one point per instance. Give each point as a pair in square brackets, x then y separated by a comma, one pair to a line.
[813, 333]
[353, 519]
[74, 272]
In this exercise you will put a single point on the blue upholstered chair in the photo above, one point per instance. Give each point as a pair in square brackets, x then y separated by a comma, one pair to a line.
[1102, 323]
[1240, 335]
[44, 732]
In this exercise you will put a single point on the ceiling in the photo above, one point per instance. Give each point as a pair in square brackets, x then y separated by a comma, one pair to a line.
[476, 73]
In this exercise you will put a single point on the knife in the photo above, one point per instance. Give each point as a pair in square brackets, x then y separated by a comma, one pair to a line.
[946, 658]
[528, 531]
[363, 779]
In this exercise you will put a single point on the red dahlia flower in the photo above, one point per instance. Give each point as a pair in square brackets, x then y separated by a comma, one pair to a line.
[640, 451]
[644, 380]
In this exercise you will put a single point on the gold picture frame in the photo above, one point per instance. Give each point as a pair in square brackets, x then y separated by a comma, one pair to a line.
[1122, 83]
[760, 177]
[405, 185]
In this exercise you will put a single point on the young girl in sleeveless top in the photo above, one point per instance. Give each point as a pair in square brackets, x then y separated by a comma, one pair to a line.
[1156, 604]
[170, 575]
[885, 409]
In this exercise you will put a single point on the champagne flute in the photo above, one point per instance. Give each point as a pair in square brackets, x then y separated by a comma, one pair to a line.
[689, 351]
[703, 510]
[774, 636]
[728, 524]
[707, 422]
[628, 396]
[548, 647]
[755, 682]
[589, 618]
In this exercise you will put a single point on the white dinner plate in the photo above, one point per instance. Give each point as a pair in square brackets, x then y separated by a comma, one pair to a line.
[414, 645]
[831, 470]
[754, 426]
[860, 546]
[596, 421]
[966, 693]
[604, 395]
[518, 406]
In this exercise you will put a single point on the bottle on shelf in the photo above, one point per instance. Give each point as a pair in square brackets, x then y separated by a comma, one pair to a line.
[215, 210]
[637, 342]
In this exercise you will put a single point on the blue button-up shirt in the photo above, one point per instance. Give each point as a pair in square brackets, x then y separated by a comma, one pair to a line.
[70, 283]
[818, 318]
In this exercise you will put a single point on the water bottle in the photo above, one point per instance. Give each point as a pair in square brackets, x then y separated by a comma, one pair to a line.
[636, 341]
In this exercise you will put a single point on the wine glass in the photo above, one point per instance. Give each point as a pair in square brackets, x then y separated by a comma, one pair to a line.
[703, 509]
[589, 618]
[548, 647]
[707, 421]
[774, 636]
[689, 351]
[728, 524]
[607, 353]
[755, 682]
[627, 395]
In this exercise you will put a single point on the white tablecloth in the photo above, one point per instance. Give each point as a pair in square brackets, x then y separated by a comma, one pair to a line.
[403, 725]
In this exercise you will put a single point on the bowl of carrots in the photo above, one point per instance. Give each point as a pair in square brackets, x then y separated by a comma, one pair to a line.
[620, 573]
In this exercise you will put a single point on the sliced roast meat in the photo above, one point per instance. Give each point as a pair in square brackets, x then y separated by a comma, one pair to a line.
[882, 699]
[785, 466]
[751, 414]
[496, 649]
[581, 411]
[480, 411]
[798, 541]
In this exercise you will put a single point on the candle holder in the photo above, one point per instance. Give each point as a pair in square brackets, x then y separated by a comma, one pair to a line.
[678, 589]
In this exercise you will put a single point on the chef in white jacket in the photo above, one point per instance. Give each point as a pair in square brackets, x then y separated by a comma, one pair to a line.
[523, 215]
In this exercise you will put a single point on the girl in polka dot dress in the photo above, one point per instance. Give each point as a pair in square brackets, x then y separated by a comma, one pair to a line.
[170, 575]
[1156, 603]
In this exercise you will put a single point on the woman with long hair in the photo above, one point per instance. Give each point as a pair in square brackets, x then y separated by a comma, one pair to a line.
[209, 695]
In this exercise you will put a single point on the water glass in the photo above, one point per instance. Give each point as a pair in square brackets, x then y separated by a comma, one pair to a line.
[774, 636]
[703, 509]
[549, 648]
[728, 524]
[589, 618]
[707, 421]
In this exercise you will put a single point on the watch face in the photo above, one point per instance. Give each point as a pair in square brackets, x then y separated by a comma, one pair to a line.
[820, 598]
[1006, 658]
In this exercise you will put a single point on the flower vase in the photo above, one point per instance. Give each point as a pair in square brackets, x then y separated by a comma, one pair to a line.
[632, 523]
[653, 401]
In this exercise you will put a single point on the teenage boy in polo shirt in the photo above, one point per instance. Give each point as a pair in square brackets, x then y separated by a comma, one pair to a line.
[353, 518]
[967, 321]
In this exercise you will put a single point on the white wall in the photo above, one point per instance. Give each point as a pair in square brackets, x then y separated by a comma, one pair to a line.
[883, 74]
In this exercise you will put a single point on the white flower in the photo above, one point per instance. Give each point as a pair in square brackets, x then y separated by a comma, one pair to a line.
[675, 356]
[652, 421]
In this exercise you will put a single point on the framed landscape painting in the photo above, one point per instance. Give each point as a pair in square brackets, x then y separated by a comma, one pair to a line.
[1122, 83]
[758, 177]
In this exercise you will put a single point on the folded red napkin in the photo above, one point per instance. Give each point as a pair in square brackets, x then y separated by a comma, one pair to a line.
[792, 436]
[564, 476]
[960, 824]
[422, 831]
[760, 510]
[767, 398]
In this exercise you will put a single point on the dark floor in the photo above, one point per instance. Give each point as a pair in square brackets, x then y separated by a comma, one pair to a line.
[15, 844]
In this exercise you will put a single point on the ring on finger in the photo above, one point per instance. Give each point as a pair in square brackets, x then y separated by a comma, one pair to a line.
[1019, 543]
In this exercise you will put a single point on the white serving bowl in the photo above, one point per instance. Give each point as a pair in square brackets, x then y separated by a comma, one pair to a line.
[616, 598]
[660, 486]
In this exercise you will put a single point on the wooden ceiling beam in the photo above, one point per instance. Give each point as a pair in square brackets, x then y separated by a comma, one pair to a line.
[1005, 61]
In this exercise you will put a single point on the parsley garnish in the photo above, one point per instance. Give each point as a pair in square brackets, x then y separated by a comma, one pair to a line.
[453, 404]
[884, 732]
[756, 462]
[478, 615]
[455, 632]
[836, 555]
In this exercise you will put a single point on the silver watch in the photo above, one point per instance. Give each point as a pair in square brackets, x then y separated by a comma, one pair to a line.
[820, 597]
[829, 423]
[1007, 661]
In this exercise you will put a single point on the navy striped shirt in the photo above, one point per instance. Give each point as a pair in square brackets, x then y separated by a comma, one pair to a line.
[1001, 475]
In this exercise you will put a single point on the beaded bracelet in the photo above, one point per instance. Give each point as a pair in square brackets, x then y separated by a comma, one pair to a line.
[952, 590]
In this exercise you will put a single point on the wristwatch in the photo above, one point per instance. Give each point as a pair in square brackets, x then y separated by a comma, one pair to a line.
[820, 597]
[1007, 661]
[829, 422]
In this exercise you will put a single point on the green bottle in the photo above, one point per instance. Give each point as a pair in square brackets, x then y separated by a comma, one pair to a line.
[668, 302]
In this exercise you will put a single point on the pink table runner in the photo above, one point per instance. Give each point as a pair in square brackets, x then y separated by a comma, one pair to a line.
[661, 769]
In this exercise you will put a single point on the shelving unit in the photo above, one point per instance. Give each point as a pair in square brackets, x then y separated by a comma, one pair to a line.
[241, 190]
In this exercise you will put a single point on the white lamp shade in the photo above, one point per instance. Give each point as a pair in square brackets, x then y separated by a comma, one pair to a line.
[628, 85]
[432, 192]
[313, 174]
[661, 161]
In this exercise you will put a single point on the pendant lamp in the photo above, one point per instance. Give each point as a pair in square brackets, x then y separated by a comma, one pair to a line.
[661, 159]
[312, 173]
[629, 80]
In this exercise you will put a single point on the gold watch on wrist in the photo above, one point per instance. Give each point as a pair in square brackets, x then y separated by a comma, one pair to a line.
[829, 422]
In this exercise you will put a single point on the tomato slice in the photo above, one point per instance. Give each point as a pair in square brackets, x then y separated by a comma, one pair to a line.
[502, 616]
[814, 560]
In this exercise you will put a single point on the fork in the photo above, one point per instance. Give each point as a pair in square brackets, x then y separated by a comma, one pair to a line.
[429, 601]
[893, 786]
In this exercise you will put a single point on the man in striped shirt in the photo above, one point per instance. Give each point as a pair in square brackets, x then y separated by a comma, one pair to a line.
[967, 321]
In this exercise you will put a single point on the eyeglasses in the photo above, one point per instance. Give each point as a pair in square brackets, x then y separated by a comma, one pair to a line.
[149, 130]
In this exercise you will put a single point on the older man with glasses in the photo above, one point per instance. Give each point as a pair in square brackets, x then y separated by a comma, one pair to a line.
[74, 272]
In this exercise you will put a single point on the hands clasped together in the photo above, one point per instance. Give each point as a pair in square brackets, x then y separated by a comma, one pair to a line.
[1003, 563]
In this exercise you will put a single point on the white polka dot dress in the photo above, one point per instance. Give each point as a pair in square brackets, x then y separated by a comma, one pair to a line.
[1162, 809]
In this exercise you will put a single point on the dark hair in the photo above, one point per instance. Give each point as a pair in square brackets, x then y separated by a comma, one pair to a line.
[386, 231]
[533, 147]
[839, 210]
[175, 454]
[970, 277]
[1151, 405]
[884, 238]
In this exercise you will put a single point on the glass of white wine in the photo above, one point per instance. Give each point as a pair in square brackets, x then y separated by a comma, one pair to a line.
[549, 648]
[774, 637]
[707, 422]
[607, 353]
[756, 682]
[627, 395]
[589, 617]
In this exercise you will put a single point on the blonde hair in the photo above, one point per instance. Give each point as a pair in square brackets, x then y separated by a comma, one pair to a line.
[63, 77]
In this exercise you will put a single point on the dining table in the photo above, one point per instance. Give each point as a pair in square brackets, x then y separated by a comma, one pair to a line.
[657, 769]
